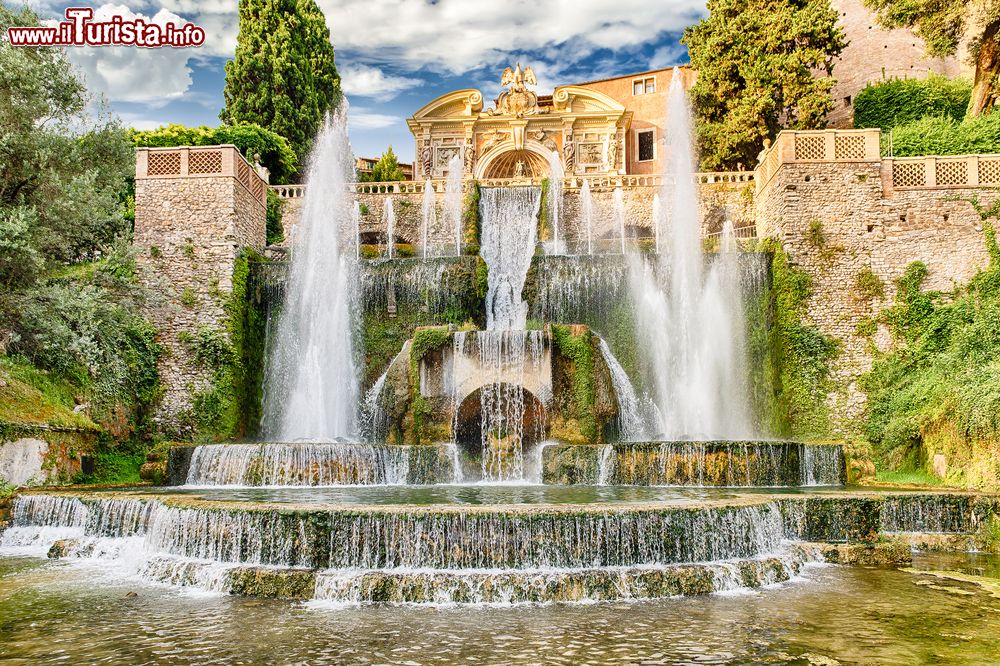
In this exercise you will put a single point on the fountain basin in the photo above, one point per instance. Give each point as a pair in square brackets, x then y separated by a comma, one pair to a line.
[765, 464]
[496, 553]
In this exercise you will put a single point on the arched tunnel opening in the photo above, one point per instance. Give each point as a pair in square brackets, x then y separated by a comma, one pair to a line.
[512, 417]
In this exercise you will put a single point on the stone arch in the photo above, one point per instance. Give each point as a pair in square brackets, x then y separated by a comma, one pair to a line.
[469, 420]
[504, 154]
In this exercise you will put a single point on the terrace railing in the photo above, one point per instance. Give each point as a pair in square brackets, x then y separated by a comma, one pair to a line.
[200, 162]
[597, 183]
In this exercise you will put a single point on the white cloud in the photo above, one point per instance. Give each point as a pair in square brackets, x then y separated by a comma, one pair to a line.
[129, 74]
[459, 35]
[665, 56]
[366, 81]
[361, 118]
[141, 122]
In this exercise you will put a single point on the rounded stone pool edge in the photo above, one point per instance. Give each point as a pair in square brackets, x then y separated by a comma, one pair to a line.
[862, 521]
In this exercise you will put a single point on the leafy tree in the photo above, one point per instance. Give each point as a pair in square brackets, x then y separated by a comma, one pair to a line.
[386, 170]
[275, 152]
[283, 76]
[757, 62]
[943, 25]
[63, 177]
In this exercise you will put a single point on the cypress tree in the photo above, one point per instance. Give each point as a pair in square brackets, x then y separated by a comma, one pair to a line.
[283, 77]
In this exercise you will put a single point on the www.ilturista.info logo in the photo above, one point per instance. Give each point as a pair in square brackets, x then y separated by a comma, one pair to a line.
[79, 30]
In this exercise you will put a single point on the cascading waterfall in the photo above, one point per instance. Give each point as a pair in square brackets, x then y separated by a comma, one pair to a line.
[428, 217]
[312, 388]
[453, 200]
[508, 243]
[555, 195]
[587, 214]
[389, 222]
[691, 330]
[276, 464]
[631, 422]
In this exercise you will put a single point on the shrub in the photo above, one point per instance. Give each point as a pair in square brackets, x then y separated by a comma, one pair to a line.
[275, 152]
[944, 136]
[899, 101]
[867, 285]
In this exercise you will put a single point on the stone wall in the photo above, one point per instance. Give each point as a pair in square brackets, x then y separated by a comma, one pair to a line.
[838, 218]
[189, 230]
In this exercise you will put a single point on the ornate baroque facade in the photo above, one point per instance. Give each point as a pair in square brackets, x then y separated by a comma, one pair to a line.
[594, 128]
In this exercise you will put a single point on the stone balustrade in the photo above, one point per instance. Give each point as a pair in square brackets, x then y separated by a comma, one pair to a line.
[439, 185]
[201, 162]
[862, 146]
[934, 172]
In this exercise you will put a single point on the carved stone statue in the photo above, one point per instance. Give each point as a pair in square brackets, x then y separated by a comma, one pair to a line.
[493, 138]
[519, 169]
[613, 154]
[569, 152]
[516, 101]
[470, 155]
[425, 160]
[542, 137]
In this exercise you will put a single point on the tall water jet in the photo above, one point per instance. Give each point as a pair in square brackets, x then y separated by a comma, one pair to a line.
[656, 220]
[389, 222]
[453, 200]
[619, 201]
[691, 329]
[587, 213]
[356, 220]
[428, 217]
[312, 382]
[556, 175]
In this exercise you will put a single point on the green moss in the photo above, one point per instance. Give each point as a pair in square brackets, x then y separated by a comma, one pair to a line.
[482, 278]
[579, 349]
[868, 286]
[188, 298]
[907, 477]
[113, 467]
[154, 251]
[230, 407]
[798, 363]
[544, 224]
[470, 219]
[429, 339]
[32, 396]
[866, 328]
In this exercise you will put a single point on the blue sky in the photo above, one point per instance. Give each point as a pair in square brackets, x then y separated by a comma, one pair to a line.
[393, 55]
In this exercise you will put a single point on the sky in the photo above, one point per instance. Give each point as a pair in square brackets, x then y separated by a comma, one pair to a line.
[393, 56]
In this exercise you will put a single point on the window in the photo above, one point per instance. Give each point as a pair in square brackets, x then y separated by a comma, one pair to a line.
[847, 101]
[644, 86]
[647, 145]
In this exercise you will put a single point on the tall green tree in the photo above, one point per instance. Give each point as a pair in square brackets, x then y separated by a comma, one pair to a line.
[762, 65]
[387, 169]
[943, 25]
[283, 77]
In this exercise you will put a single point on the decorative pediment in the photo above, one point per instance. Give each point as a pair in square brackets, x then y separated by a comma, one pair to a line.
[582, 101]
[457, 104]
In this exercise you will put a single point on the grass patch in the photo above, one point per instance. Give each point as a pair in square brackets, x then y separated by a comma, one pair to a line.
[907, 477]
[30, 395]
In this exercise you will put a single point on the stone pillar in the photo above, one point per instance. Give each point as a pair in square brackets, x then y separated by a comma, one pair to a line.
[196, 210]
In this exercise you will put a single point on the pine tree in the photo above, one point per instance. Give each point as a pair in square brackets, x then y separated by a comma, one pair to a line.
[283, 77]
[387, 169]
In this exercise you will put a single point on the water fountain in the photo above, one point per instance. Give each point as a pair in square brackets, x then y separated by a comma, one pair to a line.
[689, 319]
[312, 380]
[453, 200]
[428, 217]
[555, 196]
[504, 451]
[587, 213]
[389, 222]
[619, 203]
